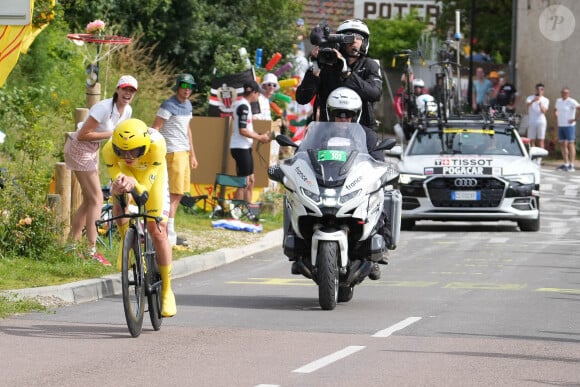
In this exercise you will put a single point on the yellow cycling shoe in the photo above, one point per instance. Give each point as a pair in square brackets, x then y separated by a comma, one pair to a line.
[168, 306]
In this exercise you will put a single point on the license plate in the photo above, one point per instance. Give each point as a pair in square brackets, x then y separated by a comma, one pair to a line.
[465, 195]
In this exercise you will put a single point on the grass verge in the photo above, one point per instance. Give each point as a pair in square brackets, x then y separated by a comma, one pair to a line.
[195, 226]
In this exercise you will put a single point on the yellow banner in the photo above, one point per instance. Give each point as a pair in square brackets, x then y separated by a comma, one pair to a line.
[11, 38]
[17, 39]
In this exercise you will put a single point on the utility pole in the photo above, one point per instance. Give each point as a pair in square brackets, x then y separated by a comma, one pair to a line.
[471, 45]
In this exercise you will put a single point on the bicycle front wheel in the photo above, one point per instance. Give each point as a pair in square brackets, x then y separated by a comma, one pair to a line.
[153, 280]
[133, 283]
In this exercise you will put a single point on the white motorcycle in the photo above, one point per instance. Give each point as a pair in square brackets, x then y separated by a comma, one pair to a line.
[334, 220]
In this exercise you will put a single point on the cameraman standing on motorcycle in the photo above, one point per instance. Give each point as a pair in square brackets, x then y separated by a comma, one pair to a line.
[340, 60]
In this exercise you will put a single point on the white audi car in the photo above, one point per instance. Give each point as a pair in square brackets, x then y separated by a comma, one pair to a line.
[470, 170]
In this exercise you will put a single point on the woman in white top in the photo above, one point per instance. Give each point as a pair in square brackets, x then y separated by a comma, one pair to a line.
[81, 154]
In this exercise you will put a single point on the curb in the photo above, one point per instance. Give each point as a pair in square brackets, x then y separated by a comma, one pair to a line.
[97, 288]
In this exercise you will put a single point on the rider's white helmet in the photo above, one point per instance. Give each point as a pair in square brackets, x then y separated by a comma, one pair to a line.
[358, 27]
[418, 83]
[344, 102]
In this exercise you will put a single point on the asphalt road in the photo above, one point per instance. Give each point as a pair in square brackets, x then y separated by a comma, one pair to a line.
[459, 305]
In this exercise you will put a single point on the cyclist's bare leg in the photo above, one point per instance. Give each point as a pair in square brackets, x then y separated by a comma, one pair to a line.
[159, 238]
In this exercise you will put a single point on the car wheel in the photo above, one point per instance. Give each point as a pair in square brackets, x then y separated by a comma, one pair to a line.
[529, 225]
[407, 224]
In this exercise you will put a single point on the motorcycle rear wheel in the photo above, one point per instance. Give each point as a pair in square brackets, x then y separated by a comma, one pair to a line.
[345, 293]
[327, 262]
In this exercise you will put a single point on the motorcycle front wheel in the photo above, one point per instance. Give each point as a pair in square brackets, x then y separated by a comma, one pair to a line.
[327, 262]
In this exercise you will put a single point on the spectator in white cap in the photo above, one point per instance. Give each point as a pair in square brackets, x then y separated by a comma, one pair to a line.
[81, 155]
[268, 86]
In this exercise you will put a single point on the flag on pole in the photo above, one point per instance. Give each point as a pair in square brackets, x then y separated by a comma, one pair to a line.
[226, 90]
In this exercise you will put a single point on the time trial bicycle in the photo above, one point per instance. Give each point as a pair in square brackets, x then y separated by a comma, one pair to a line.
[140, 277]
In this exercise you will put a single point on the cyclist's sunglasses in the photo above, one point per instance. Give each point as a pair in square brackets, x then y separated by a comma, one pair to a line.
[185, 85]
[130, 154]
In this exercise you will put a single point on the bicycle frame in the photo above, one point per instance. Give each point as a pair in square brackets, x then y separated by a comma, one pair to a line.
[446, 97]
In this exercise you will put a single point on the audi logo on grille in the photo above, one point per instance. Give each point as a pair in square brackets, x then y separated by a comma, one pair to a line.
[465, 182]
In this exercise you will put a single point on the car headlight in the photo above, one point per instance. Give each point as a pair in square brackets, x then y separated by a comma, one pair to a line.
[526, 178]
[407, 178]
[311, 195]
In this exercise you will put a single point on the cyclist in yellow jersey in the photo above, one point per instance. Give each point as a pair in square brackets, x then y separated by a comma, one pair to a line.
[135, 159]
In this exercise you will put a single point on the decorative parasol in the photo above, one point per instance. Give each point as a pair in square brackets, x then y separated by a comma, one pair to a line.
[97, 46]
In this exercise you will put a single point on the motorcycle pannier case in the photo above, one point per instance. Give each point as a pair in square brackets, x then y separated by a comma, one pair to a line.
[394, 206]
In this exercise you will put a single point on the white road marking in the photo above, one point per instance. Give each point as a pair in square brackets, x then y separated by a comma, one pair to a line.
[267, 385]
[570, 191]
[441, 236]
[397, 327]
[323, 362]
[546, 187]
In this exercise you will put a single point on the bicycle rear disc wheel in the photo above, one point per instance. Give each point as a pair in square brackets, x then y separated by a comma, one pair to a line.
[132, 282]
[152, 278]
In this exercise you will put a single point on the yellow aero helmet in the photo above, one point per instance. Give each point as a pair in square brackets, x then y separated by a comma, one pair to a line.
[131, 139]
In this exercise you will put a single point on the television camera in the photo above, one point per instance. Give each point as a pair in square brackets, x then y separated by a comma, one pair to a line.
[327, 42]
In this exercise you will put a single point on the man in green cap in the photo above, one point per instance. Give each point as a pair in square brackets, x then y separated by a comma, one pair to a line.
[173, 120]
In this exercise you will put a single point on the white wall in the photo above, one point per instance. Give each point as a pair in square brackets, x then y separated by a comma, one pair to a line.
[548, 50]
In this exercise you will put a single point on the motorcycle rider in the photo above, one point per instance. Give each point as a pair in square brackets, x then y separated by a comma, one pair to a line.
[343, 105]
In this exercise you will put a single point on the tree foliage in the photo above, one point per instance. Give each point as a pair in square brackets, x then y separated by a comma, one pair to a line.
[389, 36]
[189, 33]
[492, 27]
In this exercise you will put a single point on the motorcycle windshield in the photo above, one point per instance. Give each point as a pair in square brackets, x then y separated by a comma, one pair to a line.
[331, 148]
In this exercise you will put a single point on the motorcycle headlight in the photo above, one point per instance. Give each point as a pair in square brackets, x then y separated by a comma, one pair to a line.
[526, 178]
[407, 178]
[311, 195]
[350, 195]
[329, 197]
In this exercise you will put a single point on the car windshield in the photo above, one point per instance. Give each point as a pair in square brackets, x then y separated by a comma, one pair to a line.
[466, 141]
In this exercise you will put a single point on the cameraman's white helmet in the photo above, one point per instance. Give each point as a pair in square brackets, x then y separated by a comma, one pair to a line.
[418, 83]
[356, 26]
[341, 101]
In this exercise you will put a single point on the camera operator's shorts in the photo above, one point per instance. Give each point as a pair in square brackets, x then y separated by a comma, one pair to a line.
[179, 173]
[244, 161]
